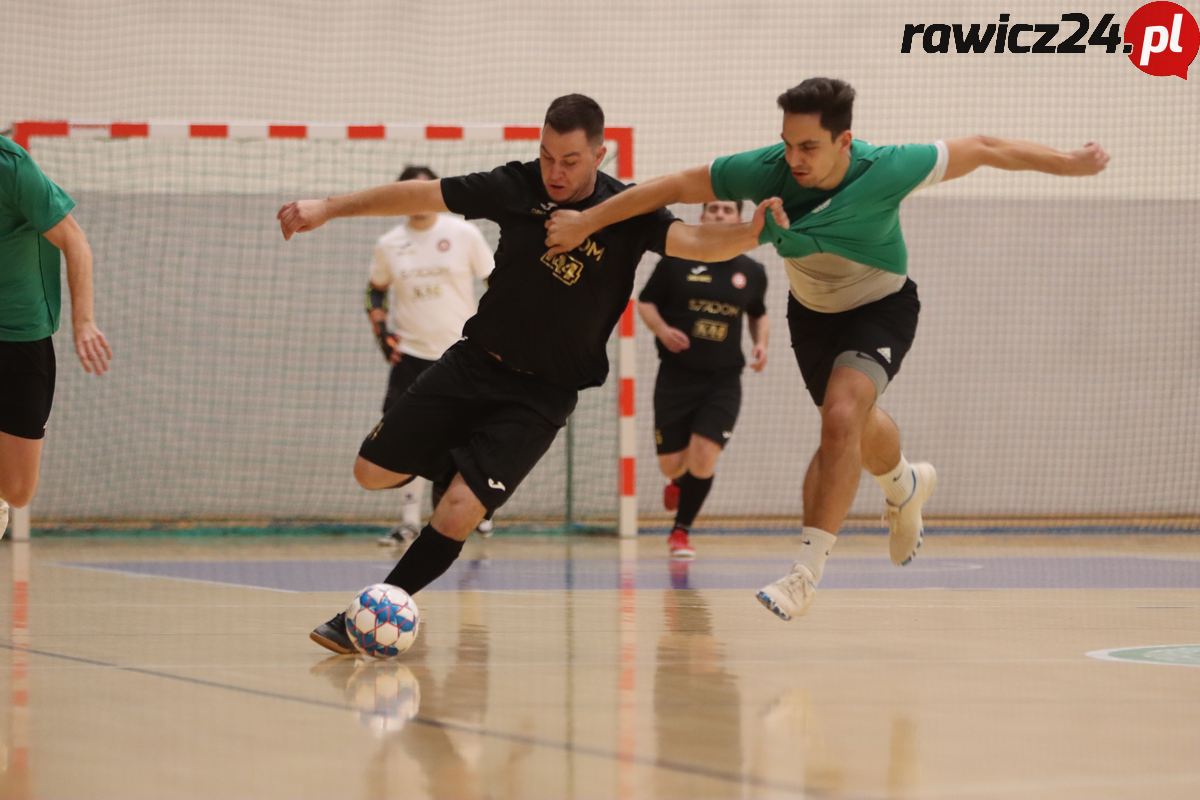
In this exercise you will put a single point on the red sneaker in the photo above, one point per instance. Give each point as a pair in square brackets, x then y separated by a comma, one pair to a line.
[681, 548]
[671, 496]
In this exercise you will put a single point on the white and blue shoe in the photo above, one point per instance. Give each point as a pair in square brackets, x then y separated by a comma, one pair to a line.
[906, 528]
[791, 595]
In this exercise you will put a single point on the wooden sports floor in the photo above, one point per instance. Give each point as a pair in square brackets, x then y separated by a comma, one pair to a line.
[584, 667]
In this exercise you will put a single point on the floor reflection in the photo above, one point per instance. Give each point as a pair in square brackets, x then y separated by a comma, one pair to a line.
[697, 701]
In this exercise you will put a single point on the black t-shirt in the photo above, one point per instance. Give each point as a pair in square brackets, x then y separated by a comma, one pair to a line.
[551, 316]
[707, 302]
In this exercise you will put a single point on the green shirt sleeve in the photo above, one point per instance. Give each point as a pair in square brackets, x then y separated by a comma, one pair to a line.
[37, 198]
[901, 168]
[753, 175]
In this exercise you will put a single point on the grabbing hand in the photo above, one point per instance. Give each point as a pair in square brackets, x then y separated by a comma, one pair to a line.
[1087, 160]
[674, 340]
[565, 230]
[92, 348]
[758, 358]
[301, 216]
[774, 206]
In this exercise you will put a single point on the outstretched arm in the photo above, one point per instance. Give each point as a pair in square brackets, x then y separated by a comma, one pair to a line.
[972, 152]
[714, 241]
[90, 344]
[392, 199]
[566, 231]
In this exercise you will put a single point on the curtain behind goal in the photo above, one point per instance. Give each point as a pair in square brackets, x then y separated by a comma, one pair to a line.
[248, 374]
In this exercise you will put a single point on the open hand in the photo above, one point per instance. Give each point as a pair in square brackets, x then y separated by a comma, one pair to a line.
[92, 348]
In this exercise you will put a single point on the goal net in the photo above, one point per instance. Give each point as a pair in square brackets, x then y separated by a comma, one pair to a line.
[248, 374]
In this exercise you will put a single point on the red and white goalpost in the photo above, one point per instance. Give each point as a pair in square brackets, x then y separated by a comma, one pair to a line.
[25, 130]
[29, 133]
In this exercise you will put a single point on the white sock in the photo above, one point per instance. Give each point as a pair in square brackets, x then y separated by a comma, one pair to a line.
[897, 484]
[816, 545]
[410, 503]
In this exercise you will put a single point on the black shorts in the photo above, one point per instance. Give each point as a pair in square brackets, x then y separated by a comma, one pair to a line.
[689, 401]
[881, 332]
[472, 415]
[402, 376]
[27, 372]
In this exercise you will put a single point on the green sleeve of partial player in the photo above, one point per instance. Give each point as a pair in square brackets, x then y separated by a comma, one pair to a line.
[752, 175]
[39, 199]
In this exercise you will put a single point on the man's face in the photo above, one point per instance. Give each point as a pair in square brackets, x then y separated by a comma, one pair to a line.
[569, 164]
[720, 211]
[813, 153]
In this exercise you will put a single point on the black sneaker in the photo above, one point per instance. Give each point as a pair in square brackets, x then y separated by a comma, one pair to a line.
[332, 636]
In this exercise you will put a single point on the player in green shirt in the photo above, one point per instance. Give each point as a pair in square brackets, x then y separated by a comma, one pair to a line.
[852, 310]
[35, 227]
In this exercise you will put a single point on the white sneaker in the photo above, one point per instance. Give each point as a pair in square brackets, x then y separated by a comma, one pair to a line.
[401, 534]
[791, 595]
[485, 528]
[905, 526]
[3, 518]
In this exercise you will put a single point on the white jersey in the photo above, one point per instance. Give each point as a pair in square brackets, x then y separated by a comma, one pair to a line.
[432, 278]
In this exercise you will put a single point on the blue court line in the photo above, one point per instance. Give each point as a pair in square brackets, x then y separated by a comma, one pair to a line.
[861, 573]
[285, 528]
[736, 779]
[936, 530]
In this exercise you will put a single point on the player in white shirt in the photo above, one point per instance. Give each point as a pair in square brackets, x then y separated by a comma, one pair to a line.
[421, 291]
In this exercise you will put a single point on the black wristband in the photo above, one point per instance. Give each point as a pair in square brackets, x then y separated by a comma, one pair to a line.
[376, 299]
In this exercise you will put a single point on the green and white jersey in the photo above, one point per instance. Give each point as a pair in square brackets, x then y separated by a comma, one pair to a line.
[30, 283]
[844, 247]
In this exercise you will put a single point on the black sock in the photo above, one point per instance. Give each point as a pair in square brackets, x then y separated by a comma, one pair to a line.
[424, 561]
[692, 491]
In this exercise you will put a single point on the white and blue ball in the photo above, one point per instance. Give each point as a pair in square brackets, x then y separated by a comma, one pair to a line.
[382, 621]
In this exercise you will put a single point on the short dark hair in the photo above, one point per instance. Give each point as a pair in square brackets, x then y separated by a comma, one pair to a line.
[833, 99]
[411, 171]
[704, 205]
[573, 112]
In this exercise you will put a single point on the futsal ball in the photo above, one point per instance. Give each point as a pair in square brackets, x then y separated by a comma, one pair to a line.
[382, 621]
